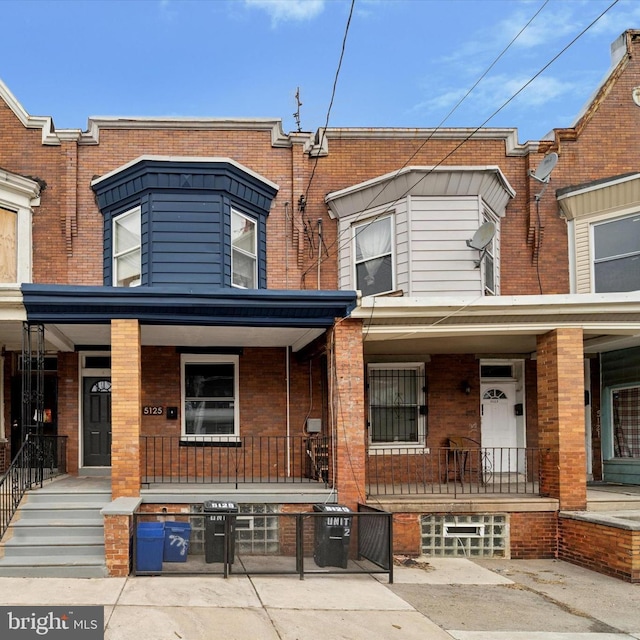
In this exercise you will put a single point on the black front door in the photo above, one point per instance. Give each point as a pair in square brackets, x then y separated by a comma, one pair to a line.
[96, 422]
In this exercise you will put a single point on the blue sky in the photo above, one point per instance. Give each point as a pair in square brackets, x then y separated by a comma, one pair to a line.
[406, 63]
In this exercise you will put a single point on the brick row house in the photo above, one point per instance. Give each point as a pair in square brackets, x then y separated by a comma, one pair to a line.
[442, 324]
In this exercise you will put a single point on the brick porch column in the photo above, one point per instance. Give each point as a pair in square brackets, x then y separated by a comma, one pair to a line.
[126, 411]
[561, 426]
[346, 372]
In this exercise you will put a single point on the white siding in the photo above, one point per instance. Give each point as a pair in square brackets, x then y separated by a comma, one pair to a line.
[441, 260]
[430, 245]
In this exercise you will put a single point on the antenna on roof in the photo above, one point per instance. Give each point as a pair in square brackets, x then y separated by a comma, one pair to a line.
[296, 115]
[481, 239]
[543, 172]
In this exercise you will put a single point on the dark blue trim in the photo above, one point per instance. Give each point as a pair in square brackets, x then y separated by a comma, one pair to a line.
[177, 306]
[179, 199]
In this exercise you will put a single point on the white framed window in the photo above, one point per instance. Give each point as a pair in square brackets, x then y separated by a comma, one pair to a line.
[127, 249]
[374, 259]
[397, 410]
[490, 259]
[210, 397]
[244, 251]
[18, 197]
[616, 254]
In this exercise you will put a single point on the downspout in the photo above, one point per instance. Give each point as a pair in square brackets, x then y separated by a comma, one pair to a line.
[288, 417]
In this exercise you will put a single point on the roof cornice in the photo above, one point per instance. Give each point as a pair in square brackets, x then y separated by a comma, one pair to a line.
[319, 146]
[49, 135]
[271, 125]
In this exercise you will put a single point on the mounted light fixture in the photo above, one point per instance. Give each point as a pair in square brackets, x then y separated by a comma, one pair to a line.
[465, 387]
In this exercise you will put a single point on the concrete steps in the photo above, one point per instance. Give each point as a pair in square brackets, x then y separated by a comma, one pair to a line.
[56, 532]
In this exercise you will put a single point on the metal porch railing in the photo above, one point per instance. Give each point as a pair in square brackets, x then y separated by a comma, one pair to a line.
[40, 458]
[453, 471]
[235, 460]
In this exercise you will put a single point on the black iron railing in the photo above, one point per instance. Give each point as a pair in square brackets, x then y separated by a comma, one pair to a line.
[453, 470]
[304, 543]
[40, 458]
[235, 460]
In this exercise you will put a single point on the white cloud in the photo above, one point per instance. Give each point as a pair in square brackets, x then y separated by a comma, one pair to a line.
[288, 10]
[494, 92]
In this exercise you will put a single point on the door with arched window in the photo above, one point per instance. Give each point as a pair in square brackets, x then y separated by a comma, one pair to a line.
[96, 424]
[499, 431]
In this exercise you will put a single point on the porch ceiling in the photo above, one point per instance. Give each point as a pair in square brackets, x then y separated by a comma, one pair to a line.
[68, 337]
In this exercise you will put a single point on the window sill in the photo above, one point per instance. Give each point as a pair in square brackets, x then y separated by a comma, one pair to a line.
[210, 441]
[406, 447]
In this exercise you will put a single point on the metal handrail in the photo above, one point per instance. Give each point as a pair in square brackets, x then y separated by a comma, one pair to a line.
[235, 460]
[39, 458]
[453, 470]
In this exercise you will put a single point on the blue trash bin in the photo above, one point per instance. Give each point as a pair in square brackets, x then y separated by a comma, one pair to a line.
[176, 541]
[149, 546]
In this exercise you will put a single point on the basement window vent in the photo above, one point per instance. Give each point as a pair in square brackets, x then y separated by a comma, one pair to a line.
[463, 531]
[482, 535]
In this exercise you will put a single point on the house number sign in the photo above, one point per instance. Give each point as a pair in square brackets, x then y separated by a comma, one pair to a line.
[152, 411]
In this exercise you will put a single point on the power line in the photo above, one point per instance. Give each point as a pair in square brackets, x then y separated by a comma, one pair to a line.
[439, 126]
[333, 94]
[468, 137]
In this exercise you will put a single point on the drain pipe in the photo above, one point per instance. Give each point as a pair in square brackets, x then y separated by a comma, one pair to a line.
[288, 376]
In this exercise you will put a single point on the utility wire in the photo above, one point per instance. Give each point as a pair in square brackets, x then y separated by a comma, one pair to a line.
[438, 127]
[333, 94]
[468, 137]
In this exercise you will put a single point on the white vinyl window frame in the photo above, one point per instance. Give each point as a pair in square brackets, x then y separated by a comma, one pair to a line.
[250, 255]
[187, 359]
[491, 259]
[420, 401]
[634, 255]
[129, 252]
[391, 252]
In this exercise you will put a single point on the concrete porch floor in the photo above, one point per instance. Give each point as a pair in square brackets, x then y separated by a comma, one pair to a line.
[600, 497]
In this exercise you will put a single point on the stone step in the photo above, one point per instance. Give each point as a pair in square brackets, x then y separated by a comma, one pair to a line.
[58, 512]
[49, 497]
[50, 567]
[56, 533]
[65, 549]
[45, 529]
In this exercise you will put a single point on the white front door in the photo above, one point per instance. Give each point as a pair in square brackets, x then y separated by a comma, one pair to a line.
[499, 432]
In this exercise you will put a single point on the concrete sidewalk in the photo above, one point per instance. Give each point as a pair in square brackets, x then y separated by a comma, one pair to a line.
[444, 599]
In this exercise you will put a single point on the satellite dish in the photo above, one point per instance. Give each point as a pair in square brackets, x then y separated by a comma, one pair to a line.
[483, 236]
[542, 173]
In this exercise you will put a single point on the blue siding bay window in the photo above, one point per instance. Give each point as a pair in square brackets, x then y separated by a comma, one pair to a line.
[189, 212]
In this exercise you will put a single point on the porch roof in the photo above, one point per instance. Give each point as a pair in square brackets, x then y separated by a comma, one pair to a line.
[81, 315]
[497, 325]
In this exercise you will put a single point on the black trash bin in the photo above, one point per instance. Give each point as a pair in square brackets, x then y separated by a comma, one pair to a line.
[216, 514]
[332, 535]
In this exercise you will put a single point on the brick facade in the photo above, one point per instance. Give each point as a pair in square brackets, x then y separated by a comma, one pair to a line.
[606, 549]
[328, 382]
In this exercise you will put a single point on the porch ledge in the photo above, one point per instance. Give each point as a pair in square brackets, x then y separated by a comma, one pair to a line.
[479, 504]
[629, 520]
[121, 507]
[267, 493]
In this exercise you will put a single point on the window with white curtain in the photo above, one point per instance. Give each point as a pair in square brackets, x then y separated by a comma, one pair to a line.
[127, 268]
[374, 266]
